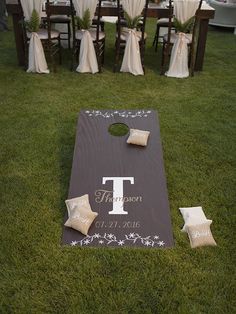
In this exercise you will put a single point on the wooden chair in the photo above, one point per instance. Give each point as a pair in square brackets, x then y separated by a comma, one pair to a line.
[121, 35]
[61, 19]
[161, 23]
[50, 38]
[169, 40]
[95, 22]
[53, 44]
[98, 36]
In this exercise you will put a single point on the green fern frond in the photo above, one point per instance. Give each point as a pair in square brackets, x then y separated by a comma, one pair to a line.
[85, 22]
[185, 27]
[33, 24]
[132, 23]
[188, 25]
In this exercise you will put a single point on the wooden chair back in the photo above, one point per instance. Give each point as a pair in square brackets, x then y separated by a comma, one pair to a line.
[167, 46]
[73, 19]
[121, 23]
[99, 47]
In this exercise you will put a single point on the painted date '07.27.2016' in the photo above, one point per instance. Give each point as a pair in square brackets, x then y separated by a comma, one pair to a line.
[116, 224]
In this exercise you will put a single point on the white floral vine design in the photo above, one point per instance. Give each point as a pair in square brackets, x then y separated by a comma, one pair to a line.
[123, 114]
[110, 238]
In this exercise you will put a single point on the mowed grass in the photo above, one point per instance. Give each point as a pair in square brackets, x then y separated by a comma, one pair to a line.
[38, 115]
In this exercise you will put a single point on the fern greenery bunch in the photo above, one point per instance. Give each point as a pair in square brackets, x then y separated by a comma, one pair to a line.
[185, 27]
[133, 23]
[85, 21]
[33, 24]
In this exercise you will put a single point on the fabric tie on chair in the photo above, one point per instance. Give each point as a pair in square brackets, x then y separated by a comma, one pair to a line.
[132, 60]
[183, 11]
[37, 61]
[179, 57]
[87, 56]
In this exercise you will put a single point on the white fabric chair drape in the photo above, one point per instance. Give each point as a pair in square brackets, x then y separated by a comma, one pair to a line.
[37, 62]
[87, 56]
[183, 10]
[132, 60]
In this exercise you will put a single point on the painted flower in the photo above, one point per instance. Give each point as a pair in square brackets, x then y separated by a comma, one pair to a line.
[110, 236]
[132, 235]
[73, 243]
[97, 236]
[161, 243]
[148, 243]
[121, 242]
[101, 242]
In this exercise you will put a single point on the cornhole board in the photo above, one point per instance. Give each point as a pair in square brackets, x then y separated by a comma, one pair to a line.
[126, 183]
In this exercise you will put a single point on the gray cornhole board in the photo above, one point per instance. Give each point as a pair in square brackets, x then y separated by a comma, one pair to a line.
[103, 166]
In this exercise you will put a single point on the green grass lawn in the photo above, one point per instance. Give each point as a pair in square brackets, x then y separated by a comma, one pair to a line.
[38, 115]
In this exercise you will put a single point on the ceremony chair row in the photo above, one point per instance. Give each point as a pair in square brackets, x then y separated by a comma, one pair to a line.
[88, 36]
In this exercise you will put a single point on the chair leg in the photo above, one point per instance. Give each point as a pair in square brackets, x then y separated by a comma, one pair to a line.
[157, 34]
[72, 63]
[53, 63]
[99, 66]
[142, 48]
[98, 55]
[163, 59]
[75, 55]
[103, 53]
[117, 56]
[73, 58]
[69, 35]
[51, 59]
[192, 60]
[59, 51]
[191, 68]
[26, 55]
[102, 26]
[155, 38]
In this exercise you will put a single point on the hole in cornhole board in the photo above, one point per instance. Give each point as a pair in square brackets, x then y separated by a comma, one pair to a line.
[118, 129]
[126, 185]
